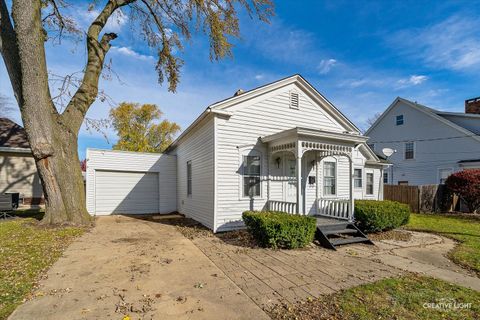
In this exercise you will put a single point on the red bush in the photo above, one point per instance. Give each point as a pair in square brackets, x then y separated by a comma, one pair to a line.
[466, 184]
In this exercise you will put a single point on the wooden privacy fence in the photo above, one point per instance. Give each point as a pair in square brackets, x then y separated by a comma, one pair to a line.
[424, 198]
[405, 194]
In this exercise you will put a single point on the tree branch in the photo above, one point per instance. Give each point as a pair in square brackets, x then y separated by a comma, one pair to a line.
[9, 51]
[83, 98]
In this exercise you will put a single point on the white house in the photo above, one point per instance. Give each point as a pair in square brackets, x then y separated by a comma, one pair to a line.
[429, 144]
[281, 146]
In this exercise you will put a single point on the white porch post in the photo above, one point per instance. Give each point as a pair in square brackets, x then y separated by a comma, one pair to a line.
[299, 177]
[268, 177]
[350, 214]
[317, 181]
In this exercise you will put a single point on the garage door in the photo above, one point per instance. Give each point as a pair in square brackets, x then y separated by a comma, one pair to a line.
[126, 192]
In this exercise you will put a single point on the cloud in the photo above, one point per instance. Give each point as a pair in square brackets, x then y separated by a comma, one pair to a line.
[259, 76]
[451, 44]
[326, 65]
[413, 80]
[126, 51]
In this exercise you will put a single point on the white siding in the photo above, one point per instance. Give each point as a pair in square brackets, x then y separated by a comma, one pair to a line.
[262, 116]
[198, 147]
[430, 156]
[121, 161]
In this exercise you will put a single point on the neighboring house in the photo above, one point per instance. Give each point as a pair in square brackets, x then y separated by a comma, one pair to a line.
[18, 172]
[281, 146]
[430, 144]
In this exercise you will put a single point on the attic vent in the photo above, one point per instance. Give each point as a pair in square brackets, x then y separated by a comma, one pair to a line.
[294, 100]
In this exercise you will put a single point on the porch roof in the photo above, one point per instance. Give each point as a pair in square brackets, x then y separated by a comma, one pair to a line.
[299, 133]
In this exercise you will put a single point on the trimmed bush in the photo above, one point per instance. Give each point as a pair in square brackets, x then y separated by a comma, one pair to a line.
[374, 216]
[280, 229]
[466, 184]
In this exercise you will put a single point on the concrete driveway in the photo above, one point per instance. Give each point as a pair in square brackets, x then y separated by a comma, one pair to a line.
[147, 270]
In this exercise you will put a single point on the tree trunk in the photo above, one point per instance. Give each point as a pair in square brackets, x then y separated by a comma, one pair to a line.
[53, 142]
[62, 180]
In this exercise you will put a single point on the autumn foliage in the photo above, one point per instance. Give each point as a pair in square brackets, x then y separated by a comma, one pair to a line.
[466, 184]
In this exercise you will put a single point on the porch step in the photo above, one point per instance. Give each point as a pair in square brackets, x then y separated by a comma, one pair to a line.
[342, 231]
[332, 235]
[340, 241]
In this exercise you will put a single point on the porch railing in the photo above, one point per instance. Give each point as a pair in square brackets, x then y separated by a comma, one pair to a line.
[289, 207]
[334, 208]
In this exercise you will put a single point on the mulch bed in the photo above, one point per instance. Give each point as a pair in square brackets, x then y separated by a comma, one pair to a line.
[397, 235]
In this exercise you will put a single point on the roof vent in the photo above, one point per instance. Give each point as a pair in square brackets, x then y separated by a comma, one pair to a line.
[238, 92]
[294, 100]
[472, 106]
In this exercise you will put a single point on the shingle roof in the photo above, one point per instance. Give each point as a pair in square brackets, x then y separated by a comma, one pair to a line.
[12, 135]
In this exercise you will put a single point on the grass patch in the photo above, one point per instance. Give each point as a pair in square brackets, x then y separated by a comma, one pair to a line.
[396, 298]
[462, 228]
[27, 250]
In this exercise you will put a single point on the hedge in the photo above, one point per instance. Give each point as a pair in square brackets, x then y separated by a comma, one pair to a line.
[280, 229]
[374, 216]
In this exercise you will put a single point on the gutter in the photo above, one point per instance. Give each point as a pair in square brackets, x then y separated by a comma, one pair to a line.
[15, 150]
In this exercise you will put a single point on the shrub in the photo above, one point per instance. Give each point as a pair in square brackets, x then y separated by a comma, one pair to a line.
[466, 184]
[374, 216]
[280, 229]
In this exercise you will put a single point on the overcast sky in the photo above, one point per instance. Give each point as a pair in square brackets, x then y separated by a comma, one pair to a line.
[360, 54]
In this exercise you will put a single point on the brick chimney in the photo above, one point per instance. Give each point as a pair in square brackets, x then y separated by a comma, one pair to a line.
[472, 105]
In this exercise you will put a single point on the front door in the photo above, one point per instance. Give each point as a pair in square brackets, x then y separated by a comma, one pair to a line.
[291, 185]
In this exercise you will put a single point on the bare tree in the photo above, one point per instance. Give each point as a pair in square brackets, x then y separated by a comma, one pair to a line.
[164, 24]
[370, 121]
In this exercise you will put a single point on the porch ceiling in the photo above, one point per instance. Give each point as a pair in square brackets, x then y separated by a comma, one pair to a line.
[313, 135]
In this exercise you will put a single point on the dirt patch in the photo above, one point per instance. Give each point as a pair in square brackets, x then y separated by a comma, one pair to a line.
[397, 235]
[311, 309]
[240, 238]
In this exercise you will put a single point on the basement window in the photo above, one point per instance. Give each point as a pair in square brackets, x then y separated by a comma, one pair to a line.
[294, 100]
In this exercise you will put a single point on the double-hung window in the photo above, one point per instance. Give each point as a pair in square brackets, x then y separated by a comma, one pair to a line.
[329, 178]
[251, 176]
[409, 150]
[369, 183]
[357, 178]
[385, 177]
[189, 178]
[399, 120]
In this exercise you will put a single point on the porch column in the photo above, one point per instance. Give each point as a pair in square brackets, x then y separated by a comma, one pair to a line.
[351, 204]
[299, 177]
[317, 181]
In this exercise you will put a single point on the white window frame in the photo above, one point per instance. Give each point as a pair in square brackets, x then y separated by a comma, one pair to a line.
[439, 177]
[189, 179]
[405, 150]
[335, 161]
[249, 151]
[397, 118]
[356, 178]
[366, 183]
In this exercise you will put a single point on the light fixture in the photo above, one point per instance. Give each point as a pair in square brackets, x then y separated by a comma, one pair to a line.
[277, 161]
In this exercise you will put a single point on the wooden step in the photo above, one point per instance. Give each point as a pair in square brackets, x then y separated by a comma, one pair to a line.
[339, 231]
[341, 241]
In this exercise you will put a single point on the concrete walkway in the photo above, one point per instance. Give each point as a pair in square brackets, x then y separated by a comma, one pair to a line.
[146, 270]
[425, 254]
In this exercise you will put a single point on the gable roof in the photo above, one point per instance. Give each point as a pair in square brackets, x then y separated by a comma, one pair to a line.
[436, 114]
[12, 135]
[220, 106]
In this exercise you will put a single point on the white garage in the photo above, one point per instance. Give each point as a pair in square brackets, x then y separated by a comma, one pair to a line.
[120, 182]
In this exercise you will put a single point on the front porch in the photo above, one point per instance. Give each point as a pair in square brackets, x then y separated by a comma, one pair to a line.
[311, 172]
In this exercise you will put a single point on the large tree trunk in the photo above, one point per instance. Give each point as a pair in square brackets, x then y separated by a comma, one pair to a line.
[62, 180]
[53, 142]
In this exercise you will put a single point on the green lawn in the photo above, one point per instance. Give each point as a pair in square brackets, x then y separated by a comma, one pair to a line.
[26, 250]
[408, 297]
[461, 228]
